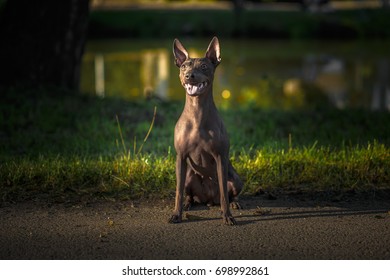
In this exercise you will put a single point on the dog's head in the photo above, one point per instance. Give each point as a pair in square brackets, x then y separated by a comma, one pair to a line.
[197, 74]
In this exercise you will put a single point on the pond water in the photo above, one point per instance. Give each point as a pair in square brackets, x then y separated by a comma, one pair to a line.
[268, 74]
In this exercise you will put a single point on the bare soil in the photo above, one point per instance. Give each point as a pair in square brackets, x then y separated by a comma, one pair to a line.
[268, 228]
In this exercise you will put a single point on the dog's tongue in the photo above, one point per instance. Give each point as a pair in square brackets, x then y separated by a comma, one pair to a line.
[192, 89]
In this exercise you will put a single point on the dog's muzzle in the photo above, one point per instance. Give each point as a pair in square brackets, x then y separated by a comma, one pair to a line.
[195, 89]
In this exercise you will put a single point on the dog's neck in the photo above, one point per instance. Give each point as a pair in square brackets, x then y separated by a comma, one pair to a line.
[200, 108]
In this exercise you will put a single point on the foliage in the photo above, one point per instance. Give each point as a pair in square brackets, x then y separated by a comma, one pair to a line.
[249, 23]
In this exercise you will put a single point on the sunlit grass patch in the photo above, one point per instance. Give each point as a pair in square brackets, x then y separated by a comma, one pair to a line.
[127, 177]
[317, 168]
[67, 147]
[63, 179]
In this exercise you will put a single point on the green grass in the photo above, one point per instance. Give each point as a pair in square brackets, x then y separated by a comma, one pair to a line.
[318, 168]
[62, 146]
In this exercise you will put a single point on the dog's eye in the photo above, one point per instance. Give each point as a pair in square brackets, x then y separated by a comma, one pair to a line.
[203, 67]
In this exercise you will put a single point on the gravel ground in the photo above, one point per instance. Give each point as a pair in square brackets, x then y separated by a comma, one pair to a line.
[285, 228]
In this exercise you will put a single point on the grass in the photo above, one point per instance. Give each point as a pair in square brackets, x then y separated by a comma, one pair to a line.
[62, 146]
[318, 169]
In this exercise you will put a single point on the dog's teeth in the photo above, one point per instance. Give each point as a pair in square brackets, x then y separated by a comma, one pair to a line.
[193, 89]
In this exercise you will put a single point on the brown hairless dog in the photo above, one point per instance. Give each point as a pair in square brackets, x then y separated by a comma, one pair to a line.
[203, 169]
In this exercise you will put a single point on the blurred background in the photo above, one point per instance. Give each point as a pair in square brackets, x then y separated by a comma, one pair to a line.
[276, 53]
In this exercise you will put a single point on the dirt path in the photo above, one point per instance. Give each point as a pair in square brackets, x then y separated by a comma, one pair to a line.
[268, 229]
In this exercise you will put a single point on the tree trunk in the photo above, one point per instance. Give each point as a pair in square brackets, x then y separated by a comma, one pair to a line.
[42, 42]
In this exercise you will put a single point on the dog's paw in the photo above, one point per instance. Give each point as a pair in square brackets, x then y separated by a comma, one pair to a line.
[236, 205]
[174, 219]
[229, 220]
[187, 203]
[187, 206]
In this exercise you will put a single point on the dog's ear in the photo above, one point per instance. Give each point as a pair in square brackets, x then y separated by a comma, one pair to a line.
[179, 52]
[213, 52]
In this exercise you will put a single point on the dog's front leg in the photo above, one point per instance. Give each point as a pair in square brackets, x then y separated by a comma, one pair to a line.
[222, 170]
[181, 170]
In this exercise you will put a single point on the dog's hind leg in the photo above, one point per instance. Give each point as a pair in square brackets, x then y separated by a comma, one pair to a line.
[192, 188]
[235, 186]
[233, 195]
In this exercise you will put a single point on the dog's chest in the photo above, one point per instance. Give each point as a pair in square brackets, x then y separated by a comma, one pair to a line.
[193, 140]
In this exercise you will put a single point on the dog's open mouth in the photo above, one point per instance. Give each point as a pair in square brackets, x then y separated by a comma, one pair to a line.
[195, 89]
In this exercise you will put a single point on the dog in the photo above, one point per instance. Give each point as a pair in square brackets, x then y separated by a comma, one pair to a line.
[204, 172]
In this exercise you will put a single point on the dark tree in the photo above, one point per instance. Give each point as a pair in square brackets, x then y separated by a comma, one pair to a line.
[42, 42]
